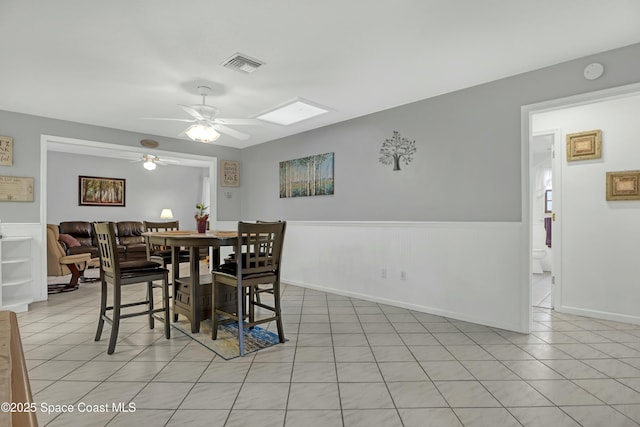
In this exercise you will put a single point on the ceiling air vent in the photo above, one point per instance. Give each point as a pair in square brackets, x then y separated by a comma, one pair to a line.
[242, 63]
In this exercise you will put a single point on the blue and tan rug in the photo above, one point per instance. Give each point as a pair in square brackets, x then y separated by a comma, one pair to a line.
[226, 345]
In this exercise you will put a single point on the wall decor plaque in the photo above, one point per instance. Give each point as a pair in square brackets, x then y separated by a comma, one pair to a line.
[97, 191]
[16, 189]
[229, 173]
[6, 151]
[584, 145]
[623, 185]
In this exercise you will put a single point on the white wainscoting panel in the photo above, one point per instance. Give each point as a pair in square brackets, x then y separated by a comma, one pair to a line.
[471, 271]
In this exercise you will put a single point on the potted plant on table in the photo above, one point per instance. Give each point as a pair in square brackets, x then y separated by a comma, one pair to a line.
[201, 217]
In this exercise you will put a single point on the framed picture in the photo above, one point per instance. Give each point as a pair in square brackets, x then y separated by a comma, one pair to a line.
[97, 191]
[623, 185]
[229, 173]
[6, 151]
[16, 189]
[584, 145]
[307, 176]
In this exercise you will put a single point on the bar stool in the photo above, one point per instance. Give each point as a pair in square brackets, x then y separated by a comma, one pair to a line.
[119, 274]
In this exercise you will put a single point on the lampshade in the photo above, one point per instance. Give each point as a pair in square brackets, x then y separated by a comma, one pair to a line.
[202, 133]
[166, 214]
[149, 165]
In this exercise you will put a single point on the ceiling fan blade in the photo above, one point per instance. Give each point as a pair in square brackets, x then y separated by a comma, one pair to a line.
[223, 121]
[173, 120]
[191, 111]
[231, 132]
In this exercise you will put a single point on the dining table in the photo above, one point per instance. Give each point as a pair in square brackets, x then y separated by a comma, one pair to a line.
[192, 292]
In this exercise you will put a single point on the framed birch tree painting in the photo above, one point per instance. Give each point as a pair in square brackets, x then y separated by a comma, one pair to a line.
[307, 176]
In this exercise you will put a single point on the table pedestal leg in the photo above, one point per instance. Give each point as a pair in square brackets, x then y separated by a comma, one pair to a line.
[194, 266]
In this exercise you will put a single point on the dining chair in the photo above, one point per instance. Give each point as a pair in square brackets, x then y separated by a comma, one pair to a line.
[261, 289]
[120, 273]
[162, 254]
[258, 260]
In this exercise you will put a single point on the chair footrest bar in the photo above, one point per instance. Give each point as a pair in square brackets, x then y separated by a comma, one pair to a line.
[138, 313]
[259, 304]
[131, 304]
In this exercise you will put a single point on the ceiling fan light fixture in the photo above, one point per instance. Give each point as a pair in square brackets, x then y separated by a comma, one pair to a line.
[202, 133]
[149, 165]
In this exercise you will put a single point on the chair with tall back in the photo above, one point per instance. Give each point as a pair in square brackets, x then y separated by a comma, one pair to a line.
[162, 254]
[61, 264]
[269, 289]
[258, 265]
[120, 273]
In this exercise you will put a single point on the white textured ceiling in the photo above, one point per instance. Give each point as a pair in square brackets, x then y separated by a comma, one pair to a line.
[111, 63]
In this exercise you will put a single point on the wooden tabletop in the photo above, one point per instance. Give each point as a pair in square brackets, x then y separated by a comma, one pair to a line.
[14, 377]
[219, 234]
[191, 238]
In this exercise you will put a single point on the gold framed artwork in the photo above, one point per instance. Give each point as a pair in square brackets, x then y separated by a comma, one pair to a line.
[6, 151]
[584, 145]
[16, 189]
[229, 173]
[623, 185]
[97, 191]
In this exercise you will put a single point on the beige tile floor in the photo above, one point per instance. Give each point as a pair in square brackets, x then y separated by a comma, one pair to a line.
[347, 362]
[541, 290]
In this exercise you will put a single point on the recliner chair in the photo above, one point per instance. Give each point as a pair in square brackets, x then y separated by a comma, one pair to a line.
[61, 264]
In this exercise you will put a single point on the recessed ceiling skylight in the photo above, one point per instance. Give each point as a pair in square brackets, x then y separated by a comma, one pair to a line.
[293, 112]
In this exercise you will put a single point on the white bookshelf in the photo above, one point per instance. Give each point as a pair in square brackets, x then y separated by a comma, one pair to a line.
[16, 273]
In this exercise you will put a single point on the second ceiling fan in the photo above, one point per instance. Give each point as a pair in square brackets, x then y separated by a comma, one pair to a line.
[206, 126]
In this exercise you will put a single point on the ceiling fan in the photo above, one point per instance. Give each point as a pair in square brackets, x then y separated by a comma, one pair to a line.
[206, 126]
[149, 161]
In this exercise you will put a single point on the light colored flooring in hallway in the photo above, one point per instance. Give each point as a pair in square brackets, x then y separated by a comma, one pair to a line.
[541, 290]
[347, 362]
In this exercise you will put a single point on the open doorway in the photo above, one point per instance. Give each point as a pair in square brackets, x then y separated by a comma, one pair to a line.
[110, 151]
[593, 236]
[541, 220]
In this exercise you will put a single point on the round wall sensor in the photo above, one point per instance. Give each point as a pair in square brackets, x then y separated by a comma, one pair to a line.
[593, 71]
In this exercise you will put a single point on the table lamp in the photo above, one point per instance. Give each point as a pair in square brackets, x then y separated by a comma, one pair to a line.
[166, 214]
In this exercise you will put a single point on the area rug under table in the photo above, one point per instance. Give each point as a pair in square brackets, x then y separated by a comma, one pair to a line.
[226, 345]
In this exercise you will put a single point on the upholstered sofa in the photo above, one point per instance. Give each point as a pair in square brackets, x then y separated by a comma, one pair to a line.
[79, 237]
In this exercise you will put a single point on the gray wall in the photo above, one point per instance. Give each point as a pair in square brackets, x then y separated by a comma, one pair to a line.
[467, 166]
[147, 192]
[26, 131]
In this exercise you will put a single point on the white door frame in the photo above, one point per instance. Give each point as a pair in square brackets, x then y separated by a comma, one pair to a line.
[45, 140]
[527, 111]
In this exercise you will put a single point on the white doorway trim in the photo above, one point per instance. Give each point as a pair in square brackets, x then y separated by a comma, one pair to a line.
[84, 147]
[527, 111]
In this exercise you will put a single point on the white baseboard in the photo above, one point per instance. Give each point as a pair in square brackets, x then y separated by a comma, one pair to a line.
[596, 314]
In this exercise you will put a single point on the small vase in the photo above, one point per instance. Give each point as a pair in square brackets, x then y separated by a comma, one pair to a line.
[202, 226]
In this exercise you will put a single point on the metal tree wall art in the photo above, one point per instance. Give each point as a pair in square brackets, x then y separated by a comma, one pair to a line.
[396, 149]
